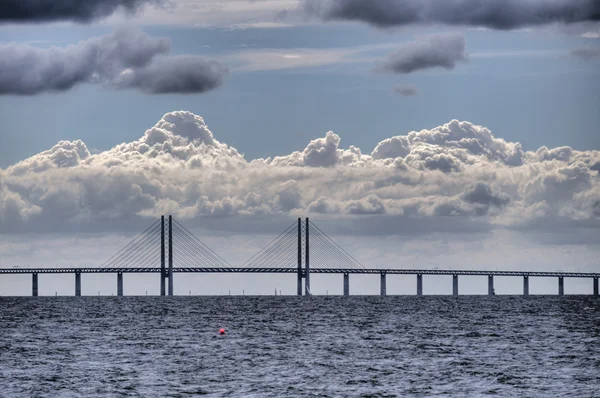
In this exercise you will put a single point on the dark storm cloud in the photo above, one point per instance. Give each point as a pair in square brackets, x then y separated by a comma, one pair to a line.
[408, 90]
[65, 10]
[429, 52]
[495, 14]
[586, 54]
[28, 70]
[120, 59]
[182, 74]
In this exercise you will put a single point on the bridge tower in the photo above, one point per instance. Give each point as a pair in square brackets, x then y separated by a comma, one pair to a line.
[170, 276]
[304, 273]
[163, 272]
[299, 256]
[318, 251]
[306, 261]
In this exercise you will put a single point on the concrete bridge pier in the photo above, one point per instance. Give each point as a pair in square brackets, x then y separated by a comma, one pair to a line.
[119, 283]
[491, 291]
[525, 285]
[346, 284]
[561, 286]
[34, 284]
[77, 283]
[455, 285]
[596, 286]
[419, 284]
[382, 287]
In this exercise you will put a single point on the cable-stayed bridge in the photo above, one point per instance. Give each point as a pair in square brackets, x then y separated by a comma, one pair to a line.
[167, 247]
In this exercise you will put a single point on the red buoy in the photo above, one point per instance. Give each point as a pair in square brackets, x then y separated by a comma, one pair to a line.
[221, 331]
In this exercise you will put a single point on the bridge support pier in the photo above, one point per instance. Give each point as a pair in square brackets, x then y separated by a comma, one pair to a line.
[525, 285]
[561, 286]
[491, 291]
[382, 287]
[34, 284]
[455, 285]
[596, 286]
[346, 284]
[77, 283]
[419, 284]
[119, 283]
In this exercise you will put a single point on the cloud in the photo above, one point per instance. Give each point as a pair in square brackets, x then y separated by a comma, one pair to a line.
[70, 10]
[124, 59]
[407, 90]
[457, 177]
[180, 74]
[586, 54]
[494, 14]
[483, 197]
[279, 59]
[443, 51]
[232, 14]
[462, 140]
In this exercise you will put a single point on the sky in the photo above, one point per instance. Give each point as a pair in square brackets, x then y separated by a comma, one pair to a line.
[416, 133]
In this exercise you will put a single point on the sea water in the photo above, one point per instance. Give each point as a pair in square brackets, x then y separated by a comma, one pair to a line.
[465, 346]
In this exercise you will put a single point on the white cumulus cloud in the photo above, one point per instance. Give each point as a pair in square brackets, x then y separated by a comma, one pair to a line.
[458, 175]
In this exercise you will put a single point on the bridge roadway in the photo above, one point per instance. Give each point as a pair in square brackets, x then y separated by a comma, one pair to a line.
[166, 273]
[283, 270]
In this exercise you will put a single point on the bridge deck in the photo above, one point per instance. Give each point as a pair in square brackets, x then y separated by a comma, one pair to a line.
[295, 270]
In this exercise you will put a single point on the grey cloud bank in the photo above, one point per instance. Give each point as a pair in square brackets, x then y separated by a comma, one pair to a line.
[495, 14]
[66, 10]
[124, 59]
[443, 51]
[457, 176]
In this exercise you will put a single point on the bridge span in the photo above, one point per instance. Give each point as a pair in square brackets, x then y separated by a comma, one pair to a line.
[292, 252]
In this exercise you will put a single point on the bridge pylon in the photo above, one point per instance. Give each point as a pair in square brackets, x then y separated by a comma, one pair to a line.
[307, 259]
[166, 272]
[163, 272]
[303, 272]
[170, 256]
[299, 256]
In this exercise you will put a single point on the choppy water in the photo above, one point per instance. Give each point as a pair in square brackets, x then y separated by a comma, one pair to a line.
[291, 346]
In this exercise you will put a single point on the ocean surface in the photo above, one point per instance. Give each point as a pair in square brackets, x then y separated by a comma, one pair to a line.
[296, 346]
